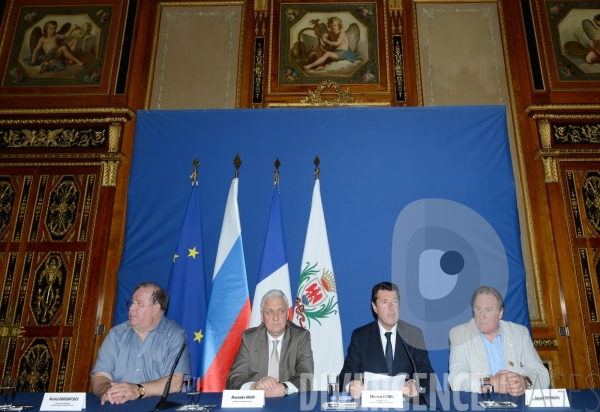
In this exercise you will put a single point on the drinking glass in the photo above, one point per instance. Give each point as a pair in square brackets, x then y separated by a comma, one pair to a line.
[486, 390]
[333, 390]
[7, 392]
[193, 393]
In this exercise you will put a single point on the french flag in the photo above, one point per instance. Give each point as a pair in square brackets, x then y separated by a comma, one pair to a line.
[273, 272]
[229, 304]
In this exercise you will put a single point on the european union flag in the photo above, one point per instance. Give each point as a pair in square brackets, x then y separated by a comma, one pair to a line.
[187, 288]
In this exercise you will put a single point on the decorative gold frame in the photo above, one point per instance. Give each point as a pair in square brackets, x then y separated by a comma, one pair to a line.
[106, 77]
[275, 35]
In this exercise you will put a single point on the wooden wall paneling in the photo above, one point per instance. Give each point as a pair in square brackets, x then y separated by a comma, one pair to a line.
[108, 289]
[544, 295]
[58, 175]
[569, 158]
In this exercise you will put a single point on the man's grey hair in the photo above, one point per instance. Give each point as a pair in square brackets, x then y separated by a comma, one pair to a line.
[273, 293]
[488, 290]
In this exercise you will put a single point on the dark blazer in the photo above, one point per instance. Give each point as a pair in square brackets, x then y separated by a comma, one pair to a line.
[366, 354]
[252, 360]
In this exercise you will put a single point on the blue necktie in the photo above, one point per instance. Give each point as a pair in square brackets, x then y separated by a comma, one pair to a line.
[389, 354]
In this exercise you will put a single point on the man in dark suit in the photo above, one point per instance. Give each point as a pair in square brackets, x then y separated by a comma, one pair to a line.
[275, 356]
[389, 346]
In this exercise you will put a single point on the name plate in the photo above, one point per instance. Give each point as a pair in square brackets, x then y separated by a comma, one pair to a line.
[63, 401]
[547, 398]
[243, 399]
[382, 399]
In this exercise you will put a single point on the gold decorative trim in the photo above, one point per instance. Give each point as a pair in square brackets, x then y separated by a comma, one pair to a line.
[314, 99]
[558, 107]
[57, 138]
[398, 68]
[579, 133]
[42, 164]
[566, 116]
[11, 331]
[63, 121]
[372, 92]
[109, 173]
[65, 110]
[343, 96]
[545, 134]
[360, 104]
[114, 137]
[550, 169]
[100, 156]
[548, 363]
[569, 151]
[545, 343]
[259, 57]
[261, 5]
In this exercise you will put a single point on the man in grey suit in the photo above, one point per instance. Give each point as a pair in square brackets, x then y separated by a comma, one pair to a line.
[275, 356]
[495, 350]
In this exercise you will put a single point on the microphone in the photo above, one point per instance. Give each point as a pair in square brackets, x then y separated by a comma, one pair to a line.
[163, 403]
[422, 399]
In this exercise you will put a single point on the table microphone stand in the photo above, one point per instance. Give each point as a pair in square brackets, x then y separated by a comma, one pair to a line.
[163, 403]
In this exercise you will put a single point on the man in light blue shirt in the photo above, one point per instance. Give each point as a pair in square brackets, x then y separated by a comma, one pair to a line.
[136, 357]
[489, 348]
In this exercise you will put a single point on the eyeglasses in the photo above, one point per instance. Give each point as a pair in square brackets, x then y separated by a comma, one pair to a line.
[136, 304]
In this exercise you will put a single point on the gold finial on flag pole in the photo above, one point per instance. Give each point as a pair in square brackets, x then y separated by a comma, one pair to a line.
[194, 175]
[237, 162]
[276, 164]
[316, 162]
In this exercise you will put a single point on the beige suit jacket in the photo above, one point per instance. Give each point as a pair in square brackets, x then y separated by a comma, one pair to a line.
[469, 362]
[252, 360]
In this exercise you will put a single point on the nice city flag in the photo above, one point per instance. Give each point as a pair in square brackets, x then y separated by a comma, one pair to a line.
[317, 301]
[229, 304]
[187, 288]
[273, 272]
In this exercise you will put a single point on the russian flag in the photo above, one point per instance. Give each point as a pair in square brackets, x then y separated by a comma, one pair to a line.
[273, 272]
[229, 304]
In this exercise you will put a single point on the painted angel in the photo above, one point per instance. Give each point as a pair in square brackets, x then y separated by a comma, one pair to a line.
[48, 49]
[338, 44]
[592, 31]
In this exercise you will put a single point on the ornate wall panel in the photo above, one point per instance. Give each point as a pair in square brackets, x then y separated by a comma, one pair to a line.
[570, 156]
[55, 210]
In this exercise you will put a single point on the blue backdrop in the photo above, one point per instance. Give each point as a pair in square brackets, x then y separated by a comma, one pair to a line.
[421, 196]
